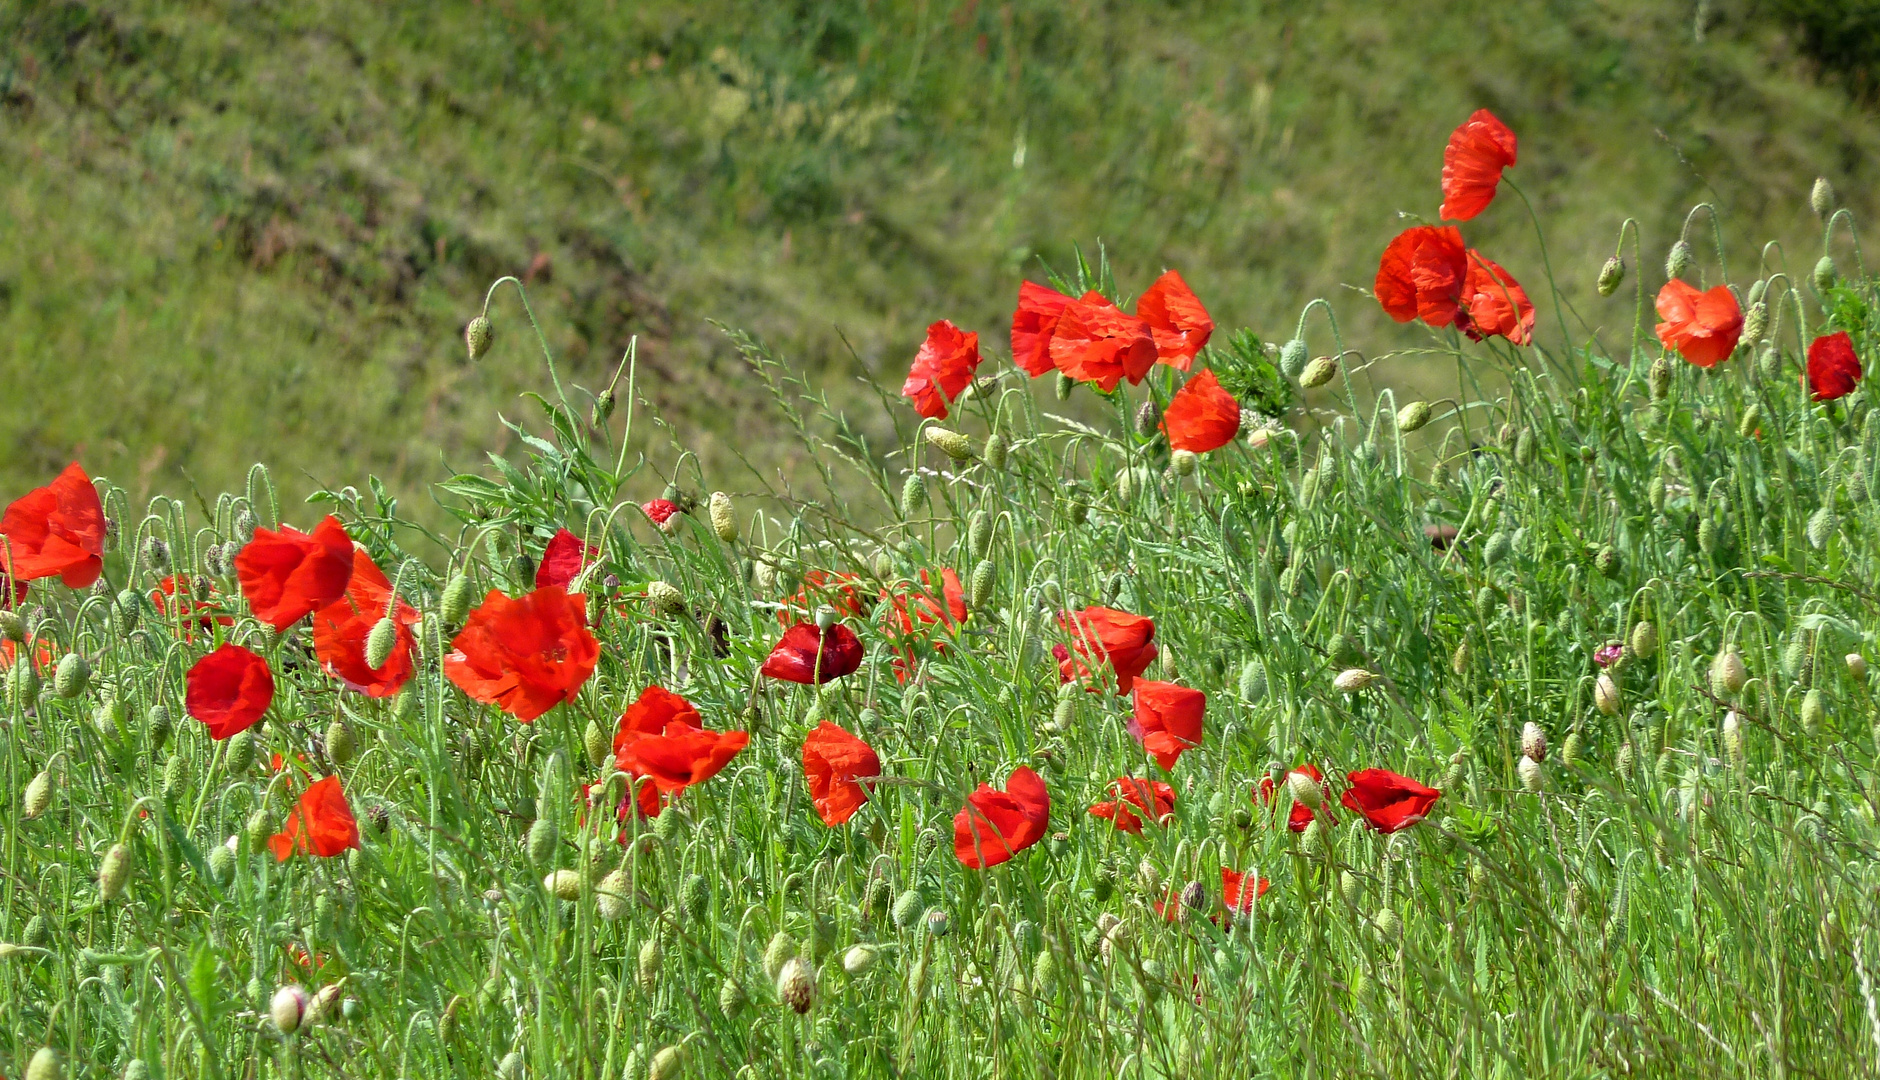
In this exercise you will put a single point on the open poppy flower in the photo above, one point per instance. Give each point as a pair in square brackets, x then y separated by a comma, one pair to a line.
[228, 690]
[661, 739]
[288, 575]
[524, 655]
[340, 630]
[1099, 343]
[1387, 801]
[1167, 719]
[175, 598]
[1421, 274]
[834, 588]
[1102, 635]
[1033, 325]
[1472, 163]
[942, 368]
[1702, 327]
[806, 656]
[54, 531]
[995, 825]
[1153, 798]
[564, 559]
[1201, 416]
[1177, 321]
[321, 823]
[834, 762]
[1301, 815]
[1239, 893]
[659, 511]
[1833, 369]
[917, 609]
[656, 711]
[1493, 303]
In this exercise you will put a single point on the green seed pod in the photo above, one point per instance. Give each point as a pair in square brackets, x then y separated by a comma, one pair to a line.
[695, 896]
[938, 922]
[1824, 273]
[908, 909]
[1610, 275]
[38, 795]
[1660, 378]
[913, 494]
[723, 517]
[380, 641]
[1413, 417]
[1318, 372]
[71, 676]
[11, 628]
[241, 752]
[476, 337]
[779, 952]
[1822, 525]
[1607, 562]
[985, 576]
[612, 895]
[563, 885]
[114, 872]
[405, 706]
[221, 865]
[455, 604]
[995, 451]
[1498, 548]
[340, 746]
[1795, 657]
[951, 443]
[544, 841]
[1644, 640]
[1678, 260]
[1814, 710]
[1292, 358]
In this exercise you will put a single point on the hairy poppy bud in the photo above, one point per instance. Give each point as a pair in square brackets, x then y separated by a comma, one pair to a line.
[38, 795]
[1524, 448]
[1498, 548]
[1814, 710]
[544, 839]
[908, 909]
[1184, 462]
[994, 453]
[1571, 750]
[1304, 790]
[651, 956]
[860, 959]
[1824, 273]
[1822, 525]
[114, 872]
[562, 884]
[339, 742]
[511, 1066]
[665, 598]
[1530, 772]
[1389, 924]
[796, 985]
[780, 951]
[1413, 416]
[1610, 275]
[1607, 562]
[1292, 358]
[1755, 321]
[1252, 682]
[610, 896]
[668, 1063]
[1318, 372]
[379, 642]
[46, 1065]
[1660, 378]
[597, 744]
[1312, 841]
[1459, 660]
[985, 575]
[456, 600]
[222, 863]
[1727, 673]
[1606, 695]
[156, 555]
[723, 517]
[1821, 197]
[1626, 758]
[1678, 260]
[731, 997]
[951, 443]
[1644, 640]
[603, 407]
[913, 493]
[476, 337]
[1857, 666]
[1352, 680]
[1733, 736]
[70, 677]
[1533, 741]
[239, 756]
[1148, 418]
[1063, 386]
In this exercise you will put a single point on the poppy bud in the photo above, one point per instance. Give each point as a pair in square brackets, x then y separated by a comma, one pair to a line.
[213, 562]
[456, 600]
[603, 407]
[320, 1009]
[1292, 358]
[731, 997]
[222, 864]
[596, 742]
[939, 923]
[1318, 372]
[257, 829]
[476, 337]
[1252, 682]
[1678, 260]
[650, 957]
[1063, 386]
[339, 742]
[1626, 758]
[1733, 736]
[1353, 680]
[240, 754]
[1857, 666]
[665, 598]
[1607, 562]
[1570, 752]
[1389, 924]
[511, 1066]
[114, 872]
[156, 555]
[985, 575]
[1644, 640]
[379, 642]
[544, 839]
[1661, 378]
[610, 896]
[38, 795]
[1413, 416]
[668, 1063]
[70, 677]
[1184, 462]
[796, 985]
[1610, 275]
[1814, 710]
[1524, 448]
[860, 959]
[1312, 841]
[1530, 773]
[1304, 790]
[994, 453]
[11, 627]
[562, 884]
[1148, 419]
[1498, 547]
[1821, 197]
[1727, 673]
[1824, 273]
[1606, 695]
[913, 493]
[1044, 972]
[1533, 741]
[1459, 660]
[779, 952]
[951, 443]
[1821, 527]
[46, 1065]
[1755, 321]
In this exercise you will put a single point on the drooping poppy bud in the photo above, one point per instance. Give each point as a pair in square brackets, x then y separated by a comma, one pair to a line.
[476, 337]
[1610, 275]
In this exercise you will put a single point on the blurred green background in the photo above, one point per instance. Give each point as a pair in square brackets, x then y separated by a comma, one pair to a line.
[238, 232]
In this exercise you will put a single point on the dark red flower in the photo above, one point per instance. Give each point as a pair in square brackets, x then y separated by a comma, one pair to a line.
[56, 530]
[1033, 325]
[1167, 719]
[1389, 802]
[1472, 163]
[1702, 327]
[1422, 273]
[321, 823]
[1201, 416]
[1153, 798]
[833, 763]
[289, 575]
[942, 368]
[1494, 304]
[1239, 894]
[525, 655]
[995, 825]
[228, 690]
[834, 588]
[1099, 343]
[175, 598]
[564, 559]
[1301, 815]
[1178, 322]
[1833, 369]
[805, 656]
[1102, 635]
[340, 630]
[659, 511]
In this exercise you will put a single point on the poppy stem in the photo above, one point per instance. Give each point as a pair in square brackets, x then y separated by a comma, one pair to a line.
[548, 356]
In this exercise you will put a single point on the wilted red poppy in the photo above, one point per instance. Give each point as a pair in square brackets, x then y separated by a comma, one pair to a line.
[289, 575]
[174, 594]
[833, 763]
[806, 656]
[1099, 343]
[1702, 327]
[1494, 304]
[1421, 274]
[228, 690]
[995, 825]
[1238, 893]
[340, 630]
[1472, 163]
[942, 368]
[321, 823]
[1201, 416]
[1153, 798]
[834, 588]
[1301, 815]
[525, 655]
[1833, 369]
[1177, 321]
[1389, 802]
[1167, 719]
[56, 530]
[1099, 635]
[659, 511]
[564, 559]
[1033, 325]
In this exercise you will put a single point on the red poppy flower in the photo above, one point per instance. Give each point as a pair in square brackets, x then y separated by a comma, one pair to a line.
[1238, 893]
[340, 630]
[1389, 802]
[1422, 273]
[524, 655]
[942, 368]
[1033, 325]
[1099, 343]
[833, 762]
[644, 802]
[1301, 815]
[564, 559]
[321, 823]
[1201, 416]
[228, 690]
[1702, 327]
[1833, 369]
[175, 594]
[660, 510]
[289, 575]
[56, 530]
[44, 658]
[1177, 321]
[1472, 163]
[680, 757]
[804, 656]
[1167, 719]
[995, 825]
[917, 609]
[1099, 634]
[1494, 304]
[655, 712]
[820, 587]
[1155, 799]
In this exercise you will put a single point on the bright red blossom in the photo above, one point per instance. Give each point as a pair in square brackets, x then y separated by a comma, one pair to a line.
[175, 594]
[1155, 799]
[834, 588]
[942, 368]
[660, 739]
[659, 510]
[288, 575]
[806, 656]
[564, 559]
[321, 823]
[1833, 369]
[228, 690]
[1099, 343]
[1301, 815]
[524, 655]
[1472, 163]
[833, 763]
[1387, 801]
[1104, 635]
[1702, 327]
[1201, 416]
[995, 825]
[56, 530]
[1238, 893]
[1177, 321]
[1495, 303]
[1427, 273]
[340, 630]
[1033, 325]
[1167, 719]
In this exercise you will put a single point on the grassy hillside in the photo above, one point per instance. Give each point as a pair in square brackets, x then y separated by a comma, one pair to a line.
[232, 231]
